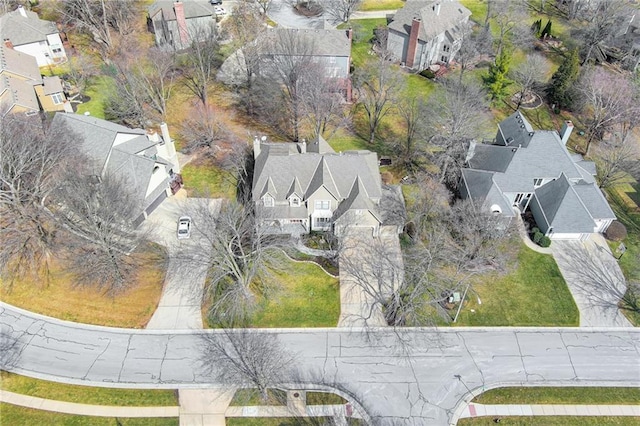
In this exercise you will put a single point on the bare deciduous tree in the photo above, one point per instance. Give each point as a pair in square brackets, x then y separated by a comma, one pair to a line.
[411, 110]
[341, 10]
[98, 210]
[237, 254]
[246, 27]
[200, 62]
[530, 74]
[604, 18]
[263, 5]
[510, 17]
[607, 98]
[31, 162]
[616, 160]
[202, 129]
[247, 359]
[81, 69]
[378, 86]
[455, 115]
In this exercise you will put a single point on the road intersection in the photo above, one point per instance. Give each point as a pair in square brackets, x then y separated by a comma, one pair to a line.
[414, 376]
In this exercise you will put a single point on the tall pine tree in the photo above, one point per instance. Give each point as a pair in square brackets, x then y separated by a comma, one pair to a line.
[497, 81]
[561, 90]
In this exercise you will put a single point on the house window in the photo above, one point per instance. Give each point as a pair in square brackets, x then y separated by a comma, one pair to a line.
[56, 50]
[295, 221]
[445, 48]
[518, 198]
[267, 201]
[323, 220]
[295, 202]
[443, 58]
[537, 183]
[57, 98]
[322, 205]
[332, 59]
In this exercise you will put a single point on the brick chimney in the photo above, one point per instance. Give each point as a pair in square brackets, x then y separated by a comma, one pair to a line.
[178, 8]
[565, 132]
[8, 43]
[436, 8]
[350, 34]
[413, 42]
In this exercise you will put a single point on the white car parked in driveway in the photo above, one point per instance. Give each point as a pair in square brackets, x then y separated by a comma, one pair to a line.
[219, 11]
[184, 227]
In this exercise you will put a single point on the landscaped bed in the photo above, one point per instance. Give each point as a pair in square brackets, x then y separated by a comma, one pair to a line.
[87, 394]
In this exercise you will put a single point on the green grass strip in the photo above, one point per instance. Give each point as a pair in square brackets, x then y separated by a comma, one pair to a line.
[87, 394]
[560, 395]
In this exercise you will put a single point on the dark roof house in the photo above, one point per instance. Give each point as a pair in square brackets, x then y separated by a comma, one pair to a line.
[177, 23]
[532, 169]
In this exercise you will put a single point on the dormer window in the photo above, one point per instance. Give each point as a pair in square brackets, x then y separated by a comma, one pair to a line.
[294, 201]
[268, 201]
[537, 183]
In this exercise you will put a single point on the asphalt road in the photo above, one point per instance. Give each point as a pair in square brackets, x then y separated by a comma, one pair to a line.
[407, 378]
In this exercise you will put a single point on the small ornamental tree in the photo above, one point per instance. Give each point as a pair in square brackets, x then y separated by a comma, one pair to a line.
[547, 30]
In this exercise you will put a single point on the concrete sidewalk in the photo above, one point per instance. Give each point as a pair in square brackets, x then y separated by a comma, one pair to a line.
[86, 409]
[480, 410]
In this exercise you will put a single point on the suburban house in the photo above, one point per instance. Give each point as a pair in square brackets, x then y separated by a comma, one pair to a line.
[329, 48]
[23, 89]
[424, 33]
[175, 23]
[23, 31]
[146, 160]
[526, 169]
[302, 187]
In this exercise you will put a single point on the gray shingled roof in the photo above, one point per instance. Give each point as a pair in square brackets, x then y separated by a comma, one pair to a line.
[52, 85]
[484, 192]
[319, 145]
[15, 91]
[493, 158]
[21, 30]
[192, 9]
[322, 42]
[451, 14]
[563, 208]
[337, 172]
[358, 199]
[516, 130]
[19, 63]
[594, 201]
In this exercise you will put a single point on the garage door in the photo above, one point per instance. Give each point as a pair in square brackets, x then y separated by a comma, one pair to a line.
[558, 236]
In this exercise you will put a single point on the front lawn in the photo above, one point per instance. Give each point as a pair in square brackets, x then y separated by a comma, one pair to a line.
[20, 416]
[560, 395]
[59, 298]
[87, 394]
[308, 297]
[373, 5]
[534, 294]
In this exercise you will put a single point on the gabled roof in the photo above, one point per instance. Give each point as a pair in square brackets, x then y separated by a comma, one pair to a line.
[295, 189]
[134, 159]
[17, 92]
[20, 64]
[483, 191]
[52, 85]
[516, 130]
[451, 14]
[319, 146]
[358, 199]
[25, 30]
[335, 172]
[563, 208]
[593, 199]
[318, 42]
[322, 178]
[192, 9]
[493, 158]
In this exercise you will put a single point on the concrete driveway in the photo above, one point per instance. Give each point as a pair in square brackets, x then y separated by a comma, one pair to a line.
[595, 280]
[180, 304]
[281, 12]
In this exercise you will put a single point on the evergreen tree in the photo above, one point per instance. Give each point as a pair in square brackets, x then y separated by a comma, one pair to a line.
[497, 81]
[561, 90]
[535, 27]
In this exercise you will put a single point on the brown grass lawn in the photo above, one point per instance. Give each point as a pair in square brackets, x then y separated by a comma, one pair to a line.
[59, 298]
